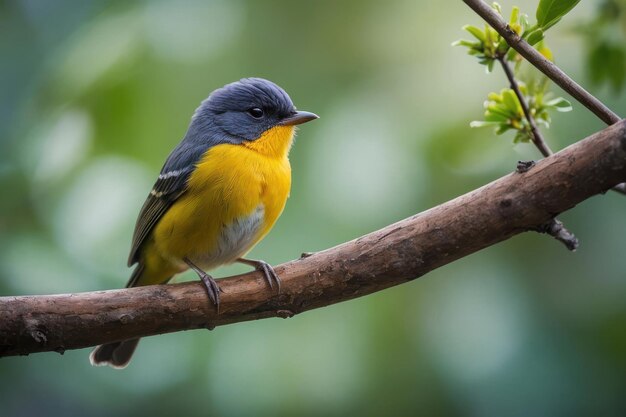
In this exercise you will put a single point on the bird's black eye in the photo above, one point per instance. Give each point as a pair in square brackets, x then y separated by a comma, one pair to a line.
[255, 112]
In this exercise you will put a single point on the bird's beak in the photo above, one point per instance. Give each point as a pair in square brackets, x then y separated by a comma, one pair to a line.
[298, 118]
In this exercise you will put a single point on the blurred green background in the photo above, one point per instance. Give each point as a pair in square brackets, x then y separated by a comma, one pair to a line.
[94, 95]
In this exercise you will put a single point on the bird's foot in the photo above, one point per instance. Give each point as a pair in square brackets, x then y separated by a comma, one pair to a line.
[266, 269]
[212, 289]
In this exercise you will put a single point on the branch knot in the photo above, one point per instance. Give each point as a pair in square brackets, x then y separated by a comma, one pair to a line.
[556, 229]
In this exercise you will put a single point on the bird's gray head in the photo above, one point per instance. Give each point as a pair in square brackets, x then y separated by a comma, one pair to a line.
[242, 111]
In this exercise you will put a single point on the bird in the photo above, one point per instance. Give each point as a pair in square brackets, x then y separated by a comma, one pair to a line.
[218, 194]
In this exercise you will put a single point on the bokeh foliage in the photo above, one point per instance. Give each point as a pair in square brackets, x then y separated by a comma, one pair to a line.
[605, 38]
[93, 96]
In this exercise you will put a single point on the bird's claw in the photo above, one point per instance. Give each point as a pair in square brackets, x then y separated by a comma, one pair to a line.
[212, 289]
[270, 275]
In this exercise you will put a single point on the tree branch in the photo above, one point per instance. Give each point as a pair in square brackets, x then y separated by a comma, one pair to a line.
[541, 63]
[393, 255]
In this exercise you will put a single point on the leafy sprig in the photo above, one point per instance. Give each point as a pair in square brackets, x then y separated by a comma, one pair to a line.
[488, 45]
[504, 110]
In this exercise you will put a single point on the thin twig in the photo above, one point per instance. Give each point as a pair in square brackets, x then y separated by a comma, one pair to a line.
[391, 256]
[541, 63]
[537, 137]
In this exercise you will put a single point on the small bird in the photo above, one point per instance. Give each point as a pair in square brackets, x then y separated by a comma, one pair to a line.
[218, 194]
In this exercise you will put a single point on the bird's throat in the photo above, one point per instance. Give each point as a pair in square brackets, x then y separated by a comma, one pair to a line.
[274, 142]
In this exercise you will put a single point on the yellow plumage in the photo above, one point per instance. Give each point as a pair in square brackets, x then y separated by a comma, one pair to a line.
[233, 188]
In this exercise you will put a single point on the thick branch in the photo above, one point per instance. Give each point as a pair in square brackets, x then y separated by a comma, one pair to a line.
[393, 255]
[544, 65]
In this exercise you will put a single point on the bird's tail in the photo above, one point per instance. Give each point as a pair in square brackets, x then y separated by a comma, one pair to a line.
[118, 354]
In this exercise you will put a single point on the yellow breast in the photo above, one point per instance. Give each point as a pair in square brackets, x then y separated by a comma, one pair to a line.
[234, 197]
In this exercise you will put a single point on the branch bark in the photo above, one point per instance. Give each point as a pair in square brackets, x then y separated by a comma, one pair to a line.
[394, 255]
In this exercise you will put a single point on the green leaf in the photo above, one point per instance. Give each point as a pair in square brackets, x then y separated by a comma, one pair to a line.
[549, 12]
[503, 128]
[502, 47]
[466, 43]
[482, 123]
[544, 122]
[514, 15]
[495, 117]
[523, 20]
[510, 100]
[543, 49]
[560, 104]
[475, 32]
[494, 110]
[511, 55]
[494, 97]
[535, 36]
